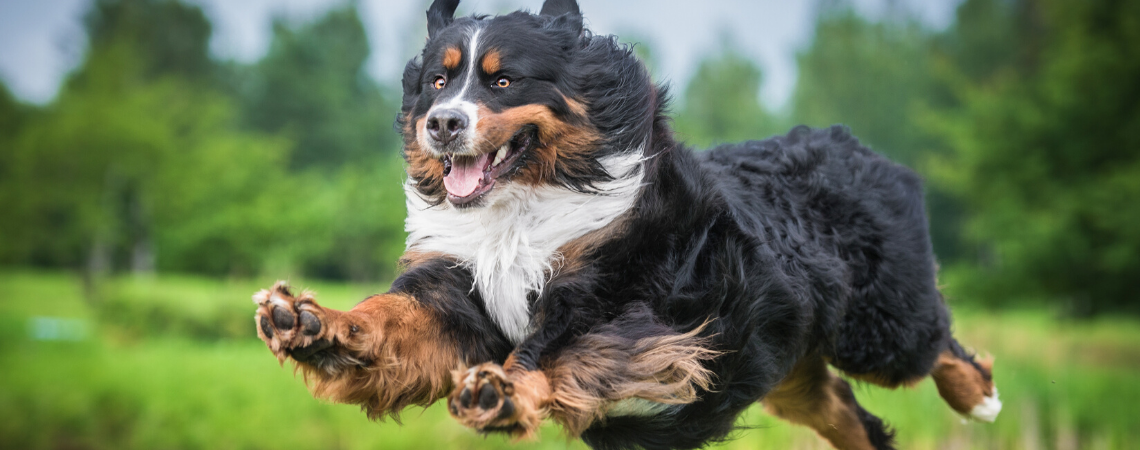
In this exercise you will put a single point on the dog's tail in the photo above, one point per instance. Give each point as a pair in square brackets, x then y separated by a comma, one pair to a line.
[966, 383]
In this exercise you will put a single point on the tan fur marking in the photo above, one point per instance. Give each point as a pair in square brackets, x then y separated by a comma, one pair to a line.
[594, 373]
[411, 358]
[960, 383]
[811, 395]
[492, 62]
[561, 144]
[451, 58]
[575, 106]
[578, 387]
[424, 168]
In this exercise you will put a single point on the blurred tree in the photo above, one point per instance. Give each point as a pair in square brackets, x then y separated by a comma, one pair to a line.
[988, 36]
[143, 175]
[13, 115]
[145, 161]
[166, 39]
[139, 163]
[1046, 149]
[875, 77]
[172, 38]
[312, 87]
[870, 76]
[722, 101]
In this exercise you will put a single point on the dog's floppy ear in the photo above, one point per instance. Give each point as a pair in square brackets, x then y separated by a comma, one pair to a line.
[439, 15]
[559, 7]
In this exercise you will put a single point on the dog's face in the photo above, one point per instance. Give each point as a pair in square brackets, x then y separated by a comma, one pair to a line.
[491, 102]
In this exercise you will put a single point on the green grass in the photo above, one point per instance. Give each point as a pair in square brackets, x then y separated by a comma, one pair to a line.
[192, 376]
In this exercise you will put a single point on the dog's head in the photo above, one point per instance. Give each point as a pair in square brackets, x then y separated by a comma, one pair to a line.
[519, 98]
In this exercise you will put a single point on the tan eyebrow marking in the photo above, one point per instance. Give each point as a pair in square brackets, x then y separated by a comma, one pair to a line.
[492, 62]
[451, 58]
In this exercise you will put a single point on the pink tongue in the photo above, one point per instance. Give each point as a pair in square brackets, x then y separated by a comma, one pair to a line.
[465, 175]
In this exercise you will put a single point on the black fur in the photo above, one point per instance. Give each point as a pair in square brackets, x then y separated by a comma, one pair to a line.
[559, 7]
[787, 242]
[801, 243]
[440, 14]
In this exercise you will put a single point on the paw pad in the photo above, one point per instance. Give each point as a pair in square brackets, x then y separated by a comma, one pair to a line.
[283, 319]
[310, 324]
[290, 326]
[483, 400]
[488, 397]
[265, 328]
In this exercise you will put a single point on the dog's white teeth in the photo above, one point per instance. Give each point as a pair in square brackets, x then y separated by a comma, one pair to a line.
[500, 155]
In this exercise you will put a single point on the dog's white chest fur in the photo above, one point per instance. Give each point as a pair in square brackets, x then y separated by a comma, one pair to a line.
[511, 244]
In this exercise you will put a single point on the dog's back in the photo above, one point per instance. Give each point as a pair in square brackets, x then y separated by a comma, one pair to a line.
[854, 224]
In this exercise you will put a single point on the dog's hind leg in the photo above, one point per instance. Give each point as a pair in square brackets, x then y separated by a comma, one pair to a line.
[967, 383]
[964, 381]
[811, 395]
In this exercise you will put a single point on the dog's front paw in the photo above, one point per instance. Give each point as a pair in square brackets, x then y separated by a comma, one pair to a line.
[299, 328]
[489, 399]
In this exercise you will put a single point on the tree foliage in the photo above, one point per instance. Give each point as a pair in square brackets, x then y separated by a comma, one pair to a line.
[146, 161]
[1046, 150]
[722, 101]
[312, 87]
[170, 37]
[875, 77]
[120, 167]
[870, 76]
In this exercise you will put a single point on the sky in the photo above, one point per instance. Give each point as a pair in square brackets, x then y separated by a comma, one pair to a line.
[42, 40]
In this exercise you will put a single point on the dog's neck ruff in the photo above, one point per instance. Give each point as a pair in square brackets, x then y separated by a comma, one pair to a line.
[511, 244]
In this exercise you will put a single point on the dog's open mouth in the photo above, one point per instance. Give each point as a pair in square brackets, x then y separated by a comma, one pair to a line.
[467, 178]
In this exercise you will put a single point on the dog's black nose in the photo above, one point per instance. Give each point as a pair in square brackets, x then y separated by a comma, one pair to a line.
[445, 124]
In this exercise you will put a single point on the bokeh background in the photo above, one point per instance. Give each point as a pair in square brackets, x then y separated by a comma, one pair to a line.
[160, 160]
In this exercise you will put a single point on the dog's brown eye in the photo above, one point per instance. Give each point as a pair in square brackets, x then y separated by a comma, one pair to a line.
[503, 82]
[439, 82]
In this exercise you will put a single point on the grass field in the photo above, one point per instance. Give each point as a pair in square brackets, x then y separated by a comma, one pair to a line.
[173, 363]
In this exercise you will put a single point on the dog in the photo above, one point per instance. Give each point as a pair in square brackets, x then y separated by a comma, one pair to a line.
[568, 259]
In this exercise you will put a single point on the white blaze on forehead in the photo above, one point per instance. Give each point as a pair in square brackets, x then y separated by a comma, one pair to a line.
[472, 55]
[459, 101]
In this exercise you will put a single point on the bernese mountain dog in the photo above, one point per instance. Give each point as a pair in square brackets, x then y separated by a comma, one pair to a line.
[568, 259]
